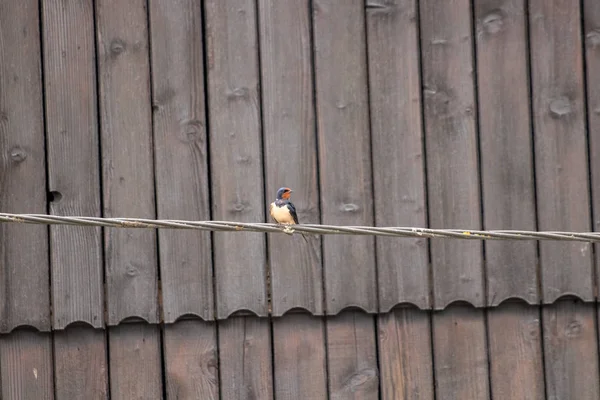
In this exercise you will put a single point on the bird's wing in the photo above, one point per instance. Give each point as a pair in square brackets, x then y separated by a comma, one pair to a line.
[292, 209]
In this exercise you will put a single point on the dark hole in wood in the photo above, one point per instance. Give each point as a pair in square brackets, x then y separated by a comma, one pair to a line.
[54, 196]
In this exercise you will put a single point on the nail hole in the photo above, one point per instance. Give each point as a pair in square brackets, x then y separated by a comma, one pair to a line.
[54, 196]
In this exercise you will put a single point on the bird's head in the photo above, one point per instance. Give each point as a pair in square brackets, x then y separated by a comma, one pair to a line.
[284, 193]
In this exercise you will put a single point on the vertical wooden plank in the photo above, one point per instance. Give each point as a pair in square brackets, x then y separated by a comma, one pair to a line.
[352, 356]
[72, 153]
[515, 348]
[24, 272]
[506, 148]
[191, 363]
[135, 347]
[80, 363]
[180, 149]
[395, 87]
[460, 353]
[127, 166]
[560, 145]
[299, 357]
[26, 370]
[591, 21]
[290, 149]
[236, 154]
[451, 145]
[405, 357]
[571, 350]
[245, 358]
[344, 152]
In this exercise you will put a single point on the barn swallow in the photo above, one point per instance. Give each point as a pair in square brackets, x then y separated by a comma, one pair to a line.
[282, 210]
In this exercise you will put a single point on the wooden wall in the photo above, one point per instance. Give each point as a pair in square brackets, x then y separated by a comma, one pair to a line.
[479, 114]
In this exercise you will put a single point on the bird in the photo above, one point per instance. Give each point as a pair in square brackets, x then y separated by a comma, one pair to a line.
[282, 210]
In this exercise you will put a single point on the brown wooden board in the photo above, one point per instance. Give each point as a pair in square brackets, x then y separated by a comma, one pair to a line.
[405, 354]
[127, 164]
[515, 351]
[299, 357]
[451, 146]
[26, 370]
[560, 145]
[344, 152]
[180, 149]
[135, 361]
[397, 131]
[352, 356]
[460, 353]
[24, 269]
[245, 358]
[290, 150]
[191, 362]
[591, 25]
[80, 363]
[506, 147]
[72, 154]
[236, 154]
[571, 350]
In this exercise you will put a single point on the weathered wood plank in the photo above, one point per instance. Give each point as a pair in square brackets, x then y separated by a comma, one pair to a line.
[352, 356]
[72, 154]
[560, 145]
[460, 353]
[181, 156]
[591, 22]
[299, 357]
[26, 370]
[135, 361]
[191, 363]
[290, 150]
[397, 131]
[571, 350]
[344, 152]
[236, 154]
[127, 165]
[80, 363]
[515, 348]
[506, 148]
[24, 265]
[405, 354]
[245, 358]
[451, 145]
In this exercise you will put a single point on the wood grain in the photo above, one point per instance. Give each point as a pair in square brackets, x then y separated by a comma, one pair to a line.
[181, 156]
[135, 361]
[127, 164]
[397, 137]
[191, 362]
[515, 351]
[352, 356]
[26, 370]
[72, 155]
[405, 354]
[245, 358]
[299, 357]
[451, 146]
[506, 147]
[24, 265]
[236, 154]
[290, 150]
[560, 145]
[571, 350]
[80, 363]
[344, 152]
[460, 353]
[591, 26]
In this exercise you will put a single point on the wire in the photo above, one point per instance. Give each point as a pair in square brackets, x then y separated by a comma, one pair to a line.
[228, 226]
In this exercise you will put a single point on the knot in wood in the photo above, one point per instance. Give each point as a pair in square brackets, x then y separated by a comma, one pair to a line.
[493, 22]
[117, 46]
[238, 93]
[17, 154]
[349, 207]
[560, 107]
[192, 131]
[360, 379]
[593, 38]
[573, 329]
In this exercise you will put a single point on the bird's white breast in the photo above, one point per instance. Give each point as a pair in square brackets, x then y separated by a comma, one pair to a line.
[281, 214]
